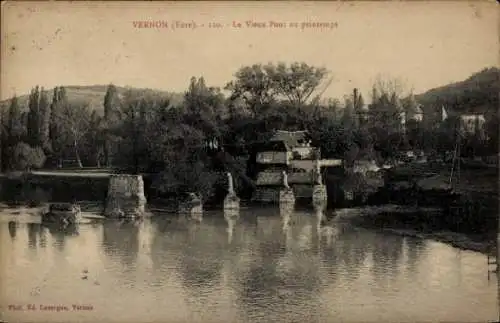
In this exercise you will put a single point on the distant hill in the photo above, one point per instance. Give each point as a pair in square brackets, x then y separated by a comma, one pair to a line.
[478, 93]
[93, 95]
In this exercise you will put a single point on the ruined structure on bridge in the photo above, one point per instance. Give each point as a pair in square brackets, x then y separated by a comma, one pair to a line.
[286, 194]
[232, 201]
[125, 196]
[319, 194]
[290, 152]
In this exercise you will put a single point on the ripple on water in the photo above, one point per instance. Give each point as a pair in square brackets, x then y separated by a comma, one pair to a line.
[192, 274]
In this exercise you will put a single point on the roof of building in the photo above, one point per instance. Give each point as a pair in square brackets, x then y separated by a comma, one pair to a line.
[291, 138]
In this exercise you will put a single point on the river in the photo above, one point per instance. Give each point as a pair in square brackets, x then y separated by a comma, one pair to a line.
[264, 265]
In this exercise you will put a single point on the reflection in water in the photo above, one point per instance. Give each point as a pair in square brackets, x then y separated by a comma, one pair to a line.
[33, 231]
[286, 220]
[12, 229]
[200, 264]
[285, 271]
[43, 238]
[325, 230]
[286, 211]
[386, 257]
[276, 268]
[121, 239]
[415, 247]
[58, 230]
[231, 216]
[194, 213]
[59, 233]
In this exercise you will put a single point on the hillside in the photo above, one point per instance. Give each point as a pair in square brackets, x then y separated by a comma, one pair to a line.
[478, 92]
[93, 95]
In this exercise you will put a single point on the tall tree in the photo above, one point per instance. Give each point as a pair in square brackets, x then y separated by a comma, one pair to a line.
[95, 139]
[74, 122]
[296, 82]
[358, 107]
[205, 108]
[34, 117]
[56, 127]
[385, 114]
[44, 121]
[15, 126]
[254, 86]
[111, 104]
[260, 85]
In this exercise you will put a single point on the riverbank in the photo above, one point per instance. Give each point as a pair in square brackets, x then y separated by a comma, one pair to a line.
[417, 222]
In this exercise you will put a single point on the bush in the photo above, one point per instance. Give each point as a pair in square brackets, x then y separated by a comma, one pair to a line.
[24, 157]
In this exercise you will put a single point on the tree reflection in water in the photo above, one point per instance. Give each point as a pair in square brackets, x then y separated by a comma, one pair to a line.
[387, 254]
[60, 233]
[33, 232]
[201, 262]
[282, 271]
[121, 240]
[415, 248]
[191, 253]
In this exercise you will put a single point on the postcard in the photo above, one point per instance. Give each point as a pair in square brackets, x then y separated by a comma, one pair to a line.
[240, 161]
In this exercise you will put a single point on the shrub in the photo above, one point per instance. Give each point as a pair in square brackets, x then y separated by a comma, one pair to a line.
[24, 157]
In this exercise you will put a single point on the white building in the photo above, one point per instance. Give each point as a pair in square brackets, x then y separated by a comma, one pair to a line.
[470, 123]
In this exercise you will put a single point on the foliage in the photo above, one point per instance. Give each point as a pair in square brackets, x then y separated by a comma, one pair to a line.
[259, 86]
[187, 144]
[24, 157]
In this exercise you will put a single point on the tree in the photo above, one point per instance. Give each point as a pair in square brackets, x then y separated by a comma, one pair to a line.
[132, 114]
[25, 157]
[38, 119]
[259, 86]
[34, 117]
[296, 82]
[58, 107]
[15, 129]
[253, 86]
[348, 115]
[205, 108]
[95, 139]
[111, 104]
[385, 118]
[75, 122]
[44, 121]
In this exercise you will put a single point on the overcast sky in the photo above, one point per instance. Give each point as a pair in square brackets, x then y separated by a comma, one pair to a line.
[424, 44]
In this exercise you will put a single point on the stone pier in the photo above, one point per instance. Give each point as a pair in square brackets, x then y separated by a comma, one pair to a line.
[125, 196]
[319, 195]
[286, 193]
[232, 201]
[192, 206]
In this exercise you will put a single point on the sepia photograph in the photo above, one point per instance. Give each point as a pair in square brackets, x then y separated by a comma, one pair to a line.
[245, 161]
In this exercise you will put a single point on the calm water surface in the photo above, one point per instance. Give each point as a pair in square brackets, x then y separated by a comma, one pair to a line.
[262, 266]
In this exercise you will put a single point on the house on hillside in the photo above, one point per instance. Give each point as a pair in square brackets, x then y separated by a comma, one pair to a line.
[415, 113]
[362, 114]
[289, 151]
[472, 123]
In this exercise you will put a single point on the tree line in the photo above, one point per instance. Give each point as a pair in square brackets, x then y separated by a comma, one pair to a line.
[187, 145]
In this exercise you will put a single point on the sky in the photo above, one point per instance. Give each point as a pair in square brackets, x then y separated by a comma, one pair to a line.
[423, 45]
